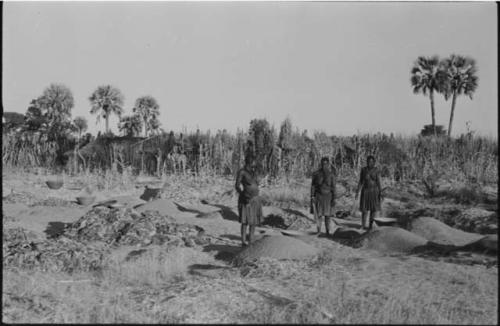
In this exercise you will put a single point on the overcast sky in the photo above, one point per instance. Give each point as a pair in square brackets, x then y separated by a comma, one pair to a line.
[338, 67]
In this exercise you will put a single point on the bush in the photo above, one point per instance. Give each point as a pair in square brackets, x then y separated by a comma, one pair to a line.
[428, 130]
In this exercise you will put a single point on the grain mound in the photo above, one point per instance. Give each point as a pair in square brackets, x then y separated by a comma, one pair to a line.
[387, 239]
[277, 247]
[490, 242]
[440, 233]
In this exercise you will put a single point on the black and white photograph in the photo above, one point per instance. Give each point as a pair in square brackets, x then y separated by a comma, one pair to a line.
[250, 162]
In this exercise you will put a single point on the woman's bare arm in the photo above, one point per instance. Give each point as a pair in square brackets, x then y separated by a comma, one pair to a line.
[237, 186]
[379, 184]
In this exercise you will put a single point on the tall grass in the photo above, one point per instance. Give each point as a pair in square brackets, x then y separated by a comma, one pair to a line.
[465, 159]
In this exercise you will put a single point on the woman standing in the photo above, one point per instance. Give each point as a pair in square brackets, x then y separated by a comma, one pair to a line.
[249, 203]
[370, 186]
[323, 194]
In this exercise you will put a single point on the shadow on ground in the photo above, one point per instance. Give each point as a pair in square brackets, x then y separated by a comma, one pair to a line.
[224, 252]
[207, 270]
[274, 221]
[55, 229]
[226, 212]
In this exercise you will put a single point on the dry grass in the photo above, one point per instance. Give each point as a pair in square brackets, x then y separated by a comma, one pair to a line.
[115, 295]
[341, 285]
[341, 294]
[287, 194]
[162, 266]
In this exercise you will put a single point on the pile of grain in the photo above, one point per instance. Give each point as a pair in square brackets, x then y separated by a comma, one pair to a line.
[440, 233]
[389, 239]
[277, 247]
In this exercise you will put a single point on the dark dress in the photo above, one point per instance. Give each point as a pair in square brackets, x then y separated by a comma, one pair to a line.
[370, 195]
[249, 202]
[323, 190]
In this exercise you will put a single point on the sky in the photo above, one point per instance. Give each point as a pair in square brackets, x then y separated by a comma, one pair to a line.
[342, 68]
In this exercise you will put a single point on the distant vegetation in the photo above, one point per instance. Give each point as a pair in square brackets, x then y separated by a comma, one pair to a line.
[47, 137]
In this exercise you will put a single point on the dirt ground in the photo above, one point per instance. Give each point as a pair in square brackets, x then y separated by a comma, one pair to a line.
[343, 284]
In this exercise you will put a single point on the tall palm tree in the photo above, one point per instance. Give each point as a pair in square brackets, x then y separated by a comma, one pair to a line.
[461, 80]
[130, 125]
[148, 109]
[56, 103]
[106, 100]
[427, 77]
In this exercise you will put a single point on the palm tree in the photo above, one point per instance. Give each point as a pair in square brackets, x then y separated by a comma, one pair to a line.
[56, 103]
[148, 109]
[427, 77]
[130, 125]
[461, 80]
[81, 125]
[106, 100]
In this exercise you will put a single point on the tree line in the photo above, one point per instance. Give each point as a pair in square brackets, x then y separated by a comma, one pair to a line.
[51, 112]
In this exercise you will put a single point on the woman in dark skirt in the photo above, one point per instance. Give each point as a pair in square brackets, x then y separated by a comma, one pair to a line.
[323, 194]
[369, 184]
[249, 203]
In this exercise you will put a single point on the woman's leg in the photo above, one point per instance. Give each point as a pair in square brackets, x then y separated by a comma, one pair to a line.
[327, 225]
[243, 233]
[364, 214]
[250, 236]
[373, 216]
[319, 221]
